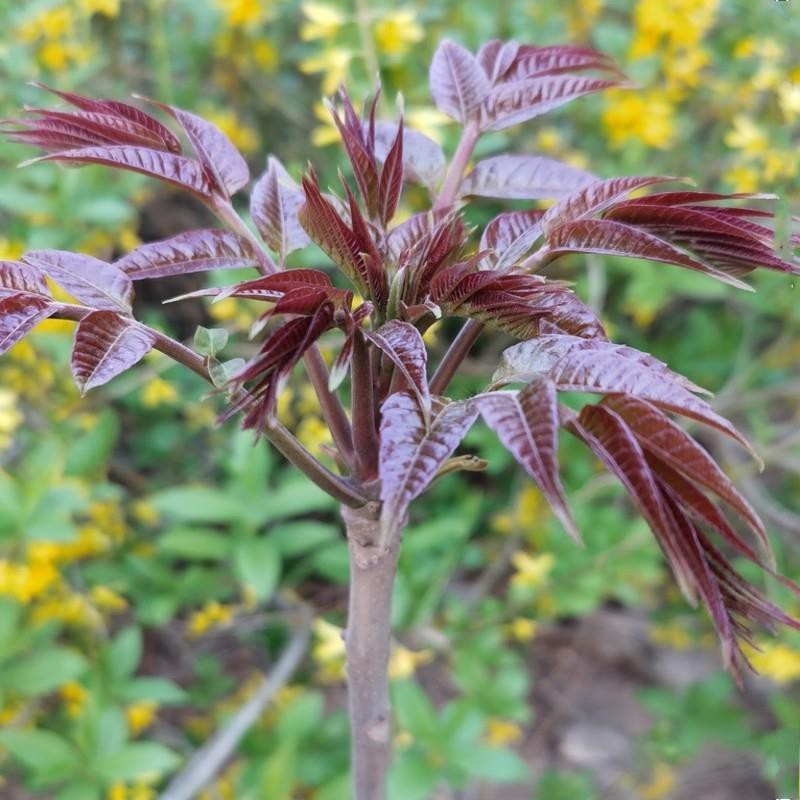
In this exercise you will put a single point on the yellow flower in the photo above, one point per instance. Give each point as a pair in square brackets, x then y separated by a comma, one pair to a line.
[647, 117]
[313, 433]
[501, 732]
[531, 571]
[108, 8]
[265, 55]
[789, 100]
[403, 662]
[672, 635]
[145, 513]
[26, 582]
[548, 139]
[745, 48]
[779, 165]
[327, 133]
[107, 599]
[660, 785]
[768, 76]
[211, 615]
[429, 121]
[140, 715]
[780, 662]
[522, 629]
[74, 695]
[398, 31]
[233, 312]
[117, 791]
[328, 643]
[10, 417]
[747, 137]
[333, 63]
[243, 13]
[742, 178]
[55, 56]
[10, 249]
[323, 21]
[243, 137]
[158, 392]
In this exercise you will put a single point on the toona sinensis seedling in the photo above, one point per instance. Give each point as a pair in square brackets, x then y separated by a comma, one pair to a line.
[398, 279]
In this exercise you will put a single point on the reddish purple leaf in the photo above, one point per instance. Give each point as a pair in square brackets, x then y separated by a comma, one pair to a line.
[107, 344]
[524, 178]
[341, 364]
[510, 236]
[511, 103]
[89, 280]
[527, 424]
[178, 170]
[496, 57]
[600, 367]
[222, 162]
[274, 205]
[18, 278]
[95, 127]
[19, 314]
[606, 237]
[193, 251]
[594, 198]
[412, 452]
[402, 343]
[424, 161]
[612, 442]
[660, 436]
[391, 181]
[360, 148]
[166, 138]
[403, 238]
[341, 243]
[533, 62]
[686, 494]
[458, 83]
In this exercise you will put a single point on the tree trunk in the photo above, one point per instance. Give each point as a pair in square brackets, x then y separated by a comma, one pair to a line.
[368, 641]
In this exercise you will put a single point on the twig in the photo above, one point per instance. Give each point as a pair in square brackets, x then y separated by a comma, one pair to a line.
[206, 763]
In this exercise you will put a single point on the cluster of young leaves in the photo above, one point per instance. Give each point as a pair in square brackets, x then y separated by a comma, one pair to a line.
[407, 276]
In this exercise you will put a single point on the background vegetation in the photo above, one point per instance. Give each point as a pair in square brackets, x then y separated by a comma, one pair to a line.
[146, 555]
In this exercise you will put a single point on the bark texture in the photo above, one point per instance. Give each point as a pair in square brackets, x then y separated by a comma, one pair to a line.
[368, 642]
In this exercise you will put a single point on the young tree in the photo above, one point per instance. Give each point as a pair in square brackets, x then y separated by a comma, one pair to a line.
[402, 429]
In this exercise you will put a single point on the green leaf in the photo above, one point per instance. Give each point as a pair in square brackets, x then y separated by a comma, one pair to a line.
[125, 652]
[135, 760]
[493, 764]
[46, 670]
[221, 372]
[195, 543]
[413, 778]
[79, 791]
[89, 452]
[301, 718]
[414, 711]
[159, 689]
[279, 773]
[209, 341]
[332, 561]
[257, 565]
[198, 504]
[293, 539]
[111, 732]
[39, 750]
[10, 612]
